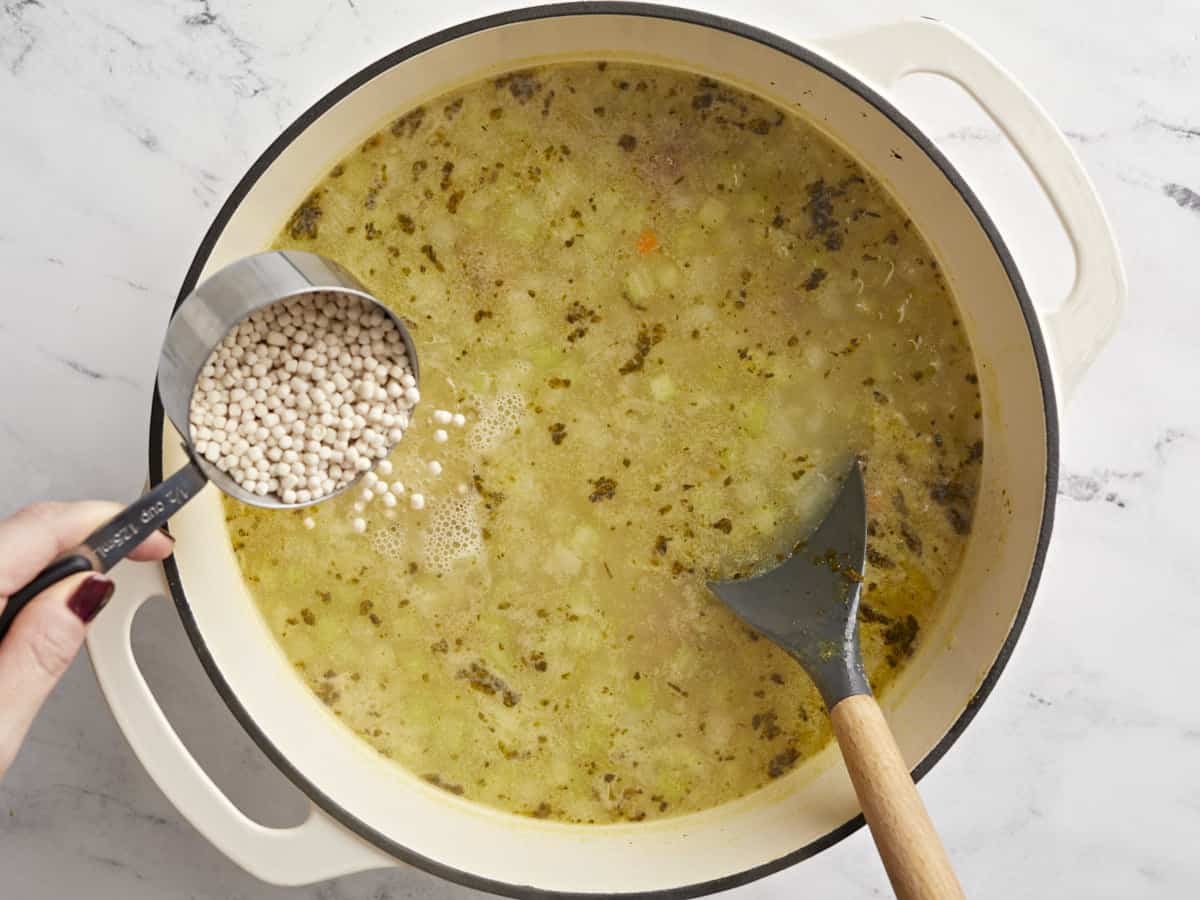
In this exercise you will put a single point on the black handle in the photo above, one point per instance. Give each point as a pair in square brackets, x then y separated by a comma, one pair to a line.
[115, 539]
[63, 567]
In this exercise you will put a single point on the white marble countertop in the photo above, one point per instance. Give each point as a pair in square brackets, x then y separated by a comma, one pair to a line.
[126, 125]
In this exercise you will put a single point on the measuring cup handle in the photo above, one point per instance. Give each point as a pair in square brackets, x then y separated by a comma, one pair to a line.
[114, 540]
[63, 567]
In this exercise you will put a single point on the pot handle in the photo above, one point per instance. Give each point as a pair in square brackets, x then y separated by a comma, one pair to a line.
[1085, 322]
[317, 849]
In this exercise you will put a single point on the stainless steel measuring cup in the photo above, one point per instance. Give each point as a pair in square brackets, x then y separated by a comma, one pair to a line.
[209, 313]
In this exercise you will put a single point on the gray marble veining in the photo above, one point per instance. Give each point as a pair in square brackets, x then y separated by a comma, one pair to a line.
[126, 125]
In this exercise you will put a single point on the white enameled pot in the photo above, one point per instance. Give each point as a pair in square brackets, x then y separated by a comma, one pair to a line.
[368, 812]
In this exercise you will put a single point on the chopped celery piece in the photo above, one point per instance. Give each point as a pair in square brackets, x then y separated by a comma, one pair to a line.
[765, 520]
[662, 388]
[816, 357]
[562, 562]
[666, 273]
[753, 415]
[688, 240]
[523, 220]
[639, 283]
[524, 313]
[751, 205]
[442, 232]
[545, 356]
[585, 539]
[699, 315]
[712, 212]
[480, 382]
[639, 694]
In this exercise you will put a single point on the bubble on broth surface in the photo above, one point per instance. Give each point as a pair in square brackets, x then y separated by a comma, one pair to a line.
[452, 533]
[498, 419]
[389, 542]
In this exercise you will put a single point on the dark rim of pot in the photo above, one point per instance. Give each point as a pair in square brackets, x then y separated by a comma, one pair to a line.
[776, 43]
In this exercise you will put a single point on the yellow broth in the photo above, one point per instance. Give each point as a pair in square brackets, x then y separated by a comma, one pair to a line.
[672, 312]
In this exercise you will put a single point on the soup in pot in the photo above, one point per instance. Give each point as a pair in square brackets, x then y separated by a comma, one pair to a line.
[671, 313]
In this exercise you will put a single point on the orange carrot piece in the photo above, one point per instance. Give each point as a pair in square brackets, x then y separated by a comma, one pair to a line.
[646, 242]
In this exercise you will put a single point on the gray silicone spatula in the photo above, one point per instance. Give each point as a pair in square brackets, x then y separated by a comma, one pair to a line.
[808, 605]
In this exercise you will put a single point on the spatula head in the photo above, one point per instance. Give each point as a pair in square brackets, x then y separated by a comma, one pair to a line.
[808, 604]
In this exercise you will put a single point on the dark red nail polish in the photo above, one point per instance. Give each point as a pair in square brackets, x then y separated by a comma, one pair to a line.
[90, 597]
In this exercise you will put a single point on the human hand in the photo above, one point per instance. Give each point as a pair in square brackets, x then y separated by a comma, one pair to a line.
[47, 633]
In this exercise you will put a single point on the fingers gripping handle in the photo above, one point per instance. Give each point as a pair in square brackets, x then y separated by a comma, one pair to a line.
[114, 540]
[315, 850]
[1080, 328]
[63, 567]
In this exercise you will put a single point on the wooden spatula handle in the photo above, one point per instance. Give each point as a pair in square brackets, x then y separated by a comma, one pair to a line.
[910, 848]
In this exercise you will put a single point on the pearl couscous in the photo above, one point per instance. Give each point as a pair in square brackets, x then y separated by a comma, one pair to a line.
[304, 396]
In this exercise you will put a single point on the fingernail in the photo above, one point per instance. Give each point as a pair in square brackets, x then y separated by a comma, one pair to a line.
[163, 531]
[90, 597]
